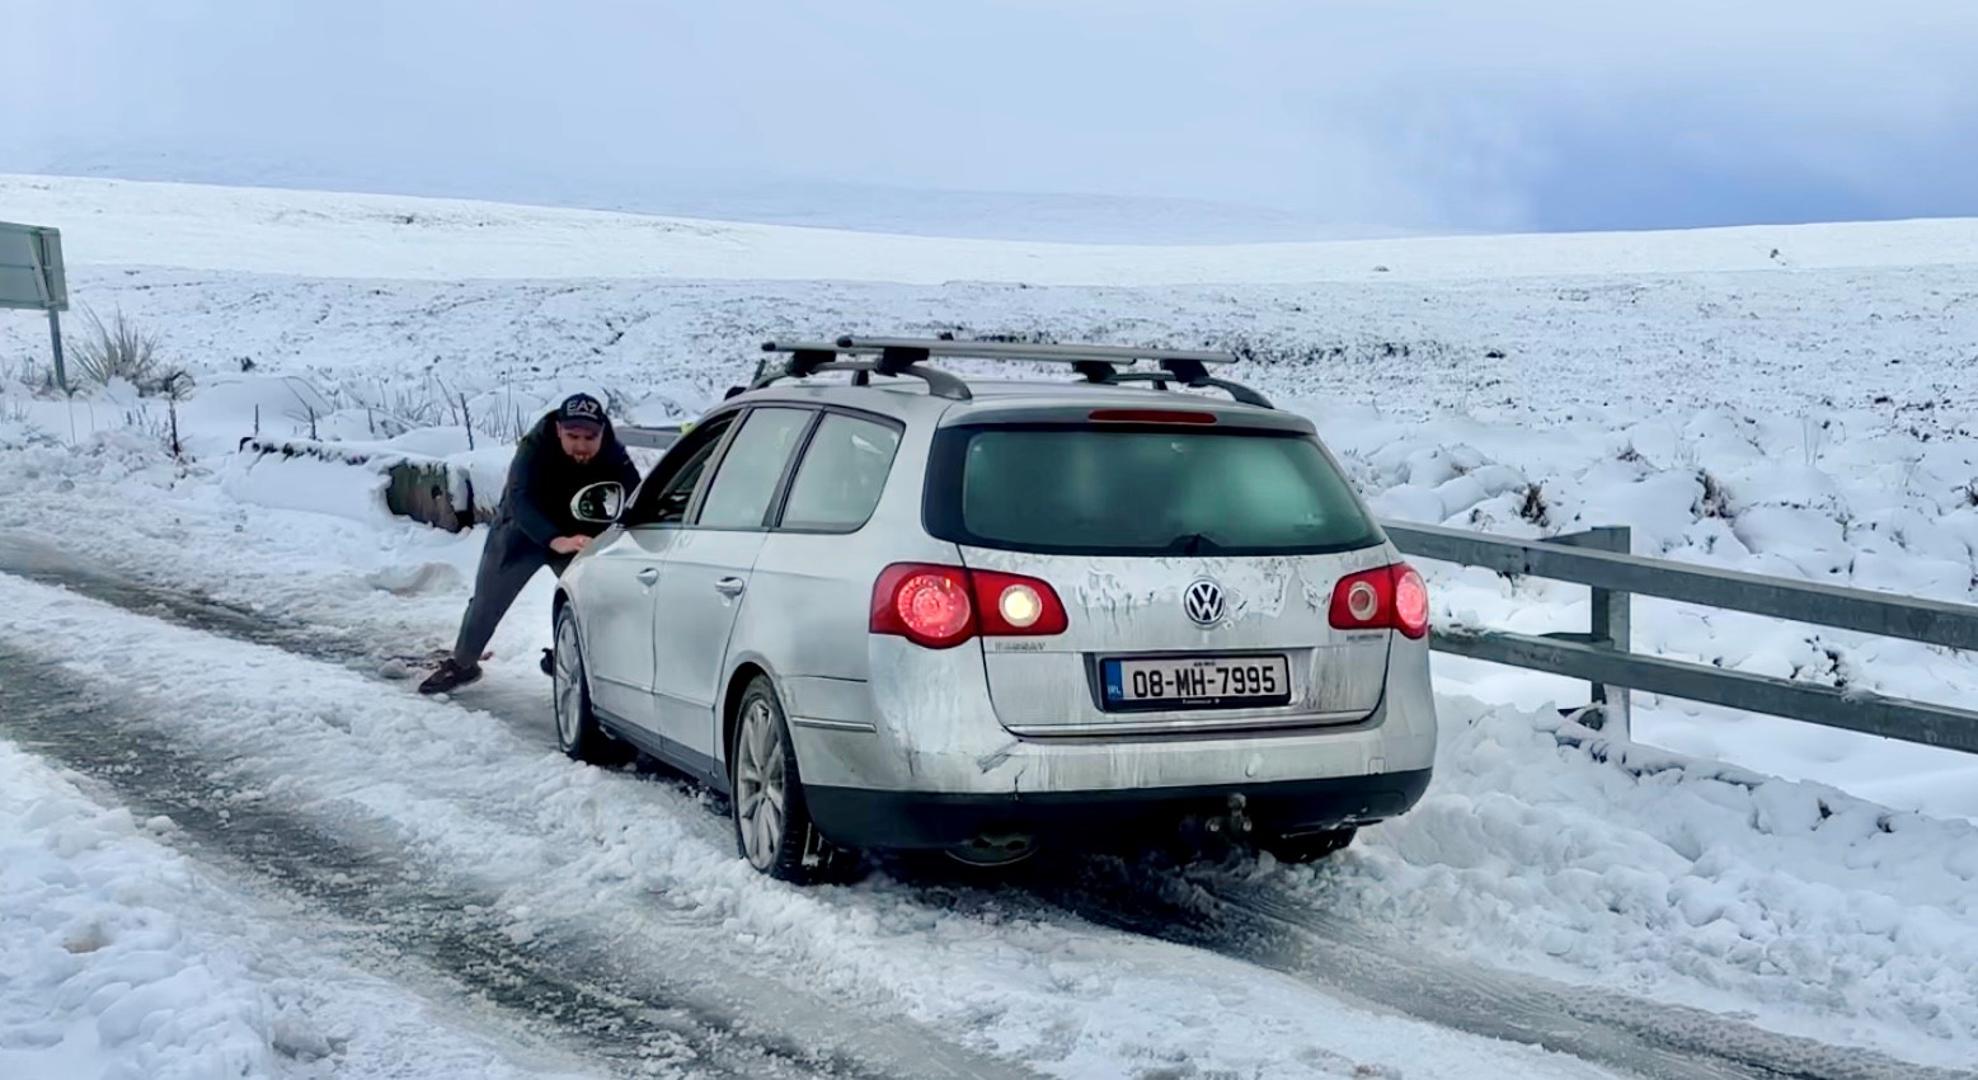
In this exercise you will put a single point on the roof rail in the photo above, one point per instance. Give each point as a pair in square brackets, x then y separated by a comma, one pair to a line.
[808, 358]
[1097, 363]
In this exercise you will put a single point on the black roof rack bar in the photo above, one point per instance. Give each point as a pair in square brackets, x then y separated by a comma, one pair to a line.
[1018, 350]
[1237, 391]
[1095, 370]
[1096, 363]
[939, 383]
[896, 359]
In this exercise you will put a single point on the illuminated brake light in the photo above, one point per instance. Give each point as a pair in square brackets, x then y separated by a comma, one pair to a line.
[927, 605]
[1390, 598]
[1411, 602]
[1152, 416]
[933, 606]
[939, 607]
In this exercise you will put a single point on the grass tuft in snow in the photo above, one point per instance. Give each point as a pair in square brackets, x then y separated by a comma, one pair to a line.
[121, 351]
[1714, 503]
[1533, 507]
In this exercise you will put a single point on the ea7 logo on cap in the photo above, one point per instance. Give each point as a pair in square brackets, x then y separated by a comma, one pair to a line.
[582, 407]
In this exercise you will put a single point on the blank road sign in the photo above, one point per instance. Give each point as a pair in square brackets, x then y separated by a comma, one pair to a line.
[31, 274]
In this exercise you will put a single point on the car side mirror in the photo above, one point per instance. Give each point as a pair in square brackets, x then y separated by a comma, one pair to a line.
[598, 504]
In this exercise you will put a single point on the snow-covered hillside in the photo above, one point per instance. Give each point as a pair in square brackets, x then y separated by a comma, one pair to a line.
[130, 223]
[1795, 401]
[1812, 422]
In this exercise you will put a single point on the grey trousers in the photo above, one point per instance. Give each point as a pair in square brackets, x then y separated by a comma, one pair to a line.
[508, 561]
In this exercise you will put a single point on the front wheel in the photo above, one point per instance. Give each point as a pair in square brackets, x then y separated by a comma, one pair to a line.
[577, 732]
[773, 829]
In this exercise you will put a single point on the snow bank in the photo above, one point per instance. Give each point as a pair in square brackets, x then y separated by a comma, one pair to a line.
[103, 979]
[307, 483]
[1634, 868]
[1874, 501]
[126, 960]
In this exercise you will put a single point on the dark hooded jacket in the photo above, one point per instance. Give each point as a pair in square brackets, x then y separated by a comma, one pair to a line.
[542, 480]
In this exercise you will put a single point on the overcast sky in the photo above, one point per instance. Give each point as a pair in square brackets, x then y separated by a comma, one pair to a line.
[1525, 114]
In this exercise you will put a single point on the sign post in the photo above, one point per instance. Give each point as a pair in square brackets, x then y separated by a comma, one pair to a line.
[55, 340]
[32, 279]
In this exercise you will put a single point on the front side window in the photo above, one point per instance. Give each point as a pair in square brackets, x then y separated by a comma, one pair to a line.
[666, 494]
[745, 481]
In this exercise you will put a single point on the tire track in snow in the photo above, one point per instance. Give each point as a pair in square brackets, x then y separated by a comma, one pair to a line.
[573, 986]
[1254, 926]
[1656, 1040]
[411, 919]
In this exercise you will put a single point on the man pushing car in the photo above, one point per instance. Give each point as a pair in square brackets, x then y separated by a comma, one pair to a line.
[569, 449]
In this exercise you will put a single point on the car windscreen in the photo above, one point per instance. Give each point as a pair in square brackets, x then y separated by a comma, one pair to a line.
[1117, 490]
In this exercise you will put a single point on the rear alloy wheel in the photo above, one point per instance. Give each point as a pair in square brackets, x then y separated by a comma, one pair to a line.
[577, 732]
[773, 829]
[1308, 847]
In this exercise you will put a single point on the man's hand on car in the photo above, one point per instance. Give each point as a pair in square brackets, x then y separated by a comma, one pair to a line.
[569, 545]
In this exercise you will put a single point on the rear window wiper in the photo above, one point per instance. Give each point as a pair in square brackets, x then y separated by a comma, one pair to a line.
[1193, 544]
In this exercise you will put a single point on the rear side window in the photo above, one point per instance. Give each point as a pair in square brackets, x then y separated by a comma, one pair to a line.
[745, 481]
[1064, 489]
[842, 474]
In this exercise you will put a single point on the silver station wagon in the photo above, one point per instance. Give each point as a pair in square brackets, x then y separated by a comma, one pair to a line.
[904, 610]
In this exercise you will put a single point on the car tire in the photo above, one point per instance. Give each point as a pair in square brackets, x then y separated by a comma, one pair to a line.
[578, 733]
[1308, 847]
[773, 829]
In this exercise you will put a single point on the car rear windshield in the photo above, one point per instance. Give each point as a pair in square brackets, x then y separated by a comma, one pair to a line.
[1077, 489]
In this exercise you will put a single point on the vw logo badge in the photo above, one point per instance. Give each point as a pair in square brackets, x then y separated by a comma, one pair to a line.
[1204, 603]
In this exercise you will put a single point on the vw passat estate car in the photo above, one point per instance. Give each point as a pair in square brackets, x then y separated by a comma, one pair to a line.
[904, 610]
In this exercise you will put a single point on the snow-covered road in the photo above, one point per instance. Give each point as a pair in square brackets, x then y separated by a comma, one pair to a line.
[417, 921]
[566, 892]
[339, 836]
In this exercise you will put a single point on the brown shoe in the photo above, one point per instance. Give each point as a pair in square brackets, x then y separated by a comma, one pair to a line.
[448, 676]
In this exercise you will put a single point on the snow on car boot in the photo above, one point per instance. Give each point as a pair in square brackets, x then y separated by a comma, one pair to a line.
[448, 676]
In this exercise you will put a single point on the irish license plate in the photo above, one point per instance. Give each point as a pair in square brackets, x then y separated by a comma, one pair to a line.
[1195, 682]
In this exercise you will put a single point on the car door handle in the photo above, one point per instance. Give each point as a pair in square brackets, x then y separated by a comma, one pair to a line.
[730, 586]
[649, 575]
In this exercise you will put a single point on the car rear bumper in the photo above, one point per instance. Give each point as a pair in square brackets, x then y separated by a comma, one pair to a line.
[867, 818]
[925, 725]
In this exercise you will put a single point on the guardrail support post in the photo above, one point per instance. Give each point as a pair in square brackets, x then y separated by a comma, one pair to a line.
[1610, 629]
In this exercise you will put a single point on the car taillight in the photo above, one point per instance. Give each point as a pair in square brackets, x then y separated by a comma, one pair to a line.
[1390, 598]
[1411, 602]
[940, 607]
[928, 605]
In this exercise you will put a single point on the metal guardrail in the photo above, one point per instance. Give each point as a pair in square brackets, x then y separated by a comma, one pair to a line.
[1603, 656]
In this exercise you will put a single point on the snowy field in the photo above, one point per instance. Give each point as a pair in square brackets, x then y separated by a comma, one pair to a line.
[1795, 401]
